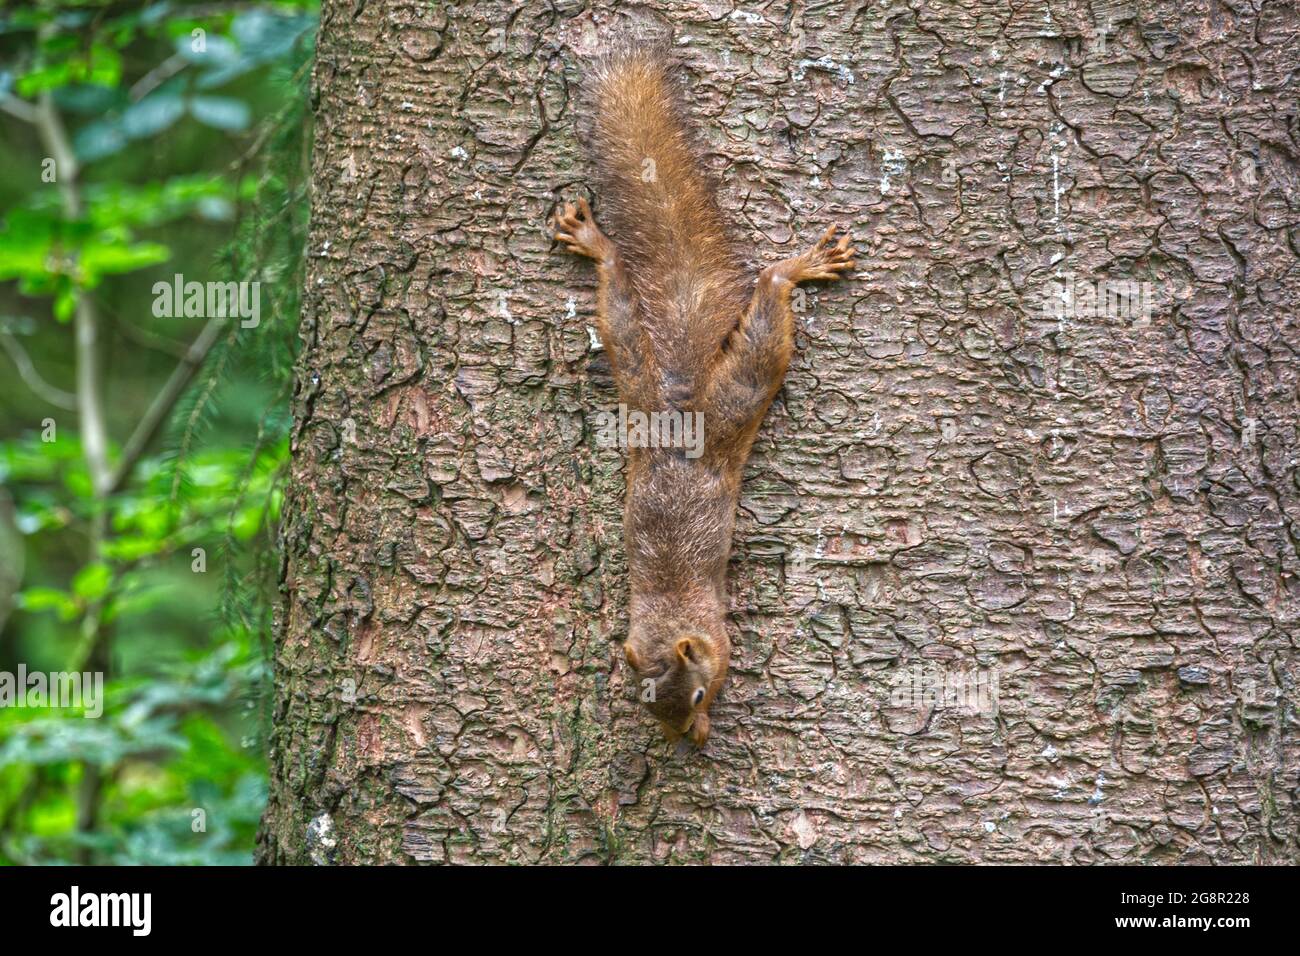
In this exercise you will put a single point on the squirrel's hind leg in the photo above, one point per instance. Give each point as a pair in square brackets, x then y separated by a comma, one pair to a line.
[757, 353]
[825, 260]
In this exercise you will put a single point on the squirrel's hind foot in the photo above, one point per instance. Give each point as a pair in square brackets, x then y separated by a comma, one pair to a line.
[576, 227]
[825, 260]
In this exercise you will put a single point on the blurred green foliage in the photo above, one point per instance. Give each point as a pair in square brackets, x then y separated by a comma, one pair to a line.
[185, 135]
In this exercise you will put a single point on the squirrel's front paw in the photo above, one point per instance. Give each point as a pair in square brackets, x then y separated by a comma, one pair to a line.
[576, 228]
[826, 259]
[700, 729]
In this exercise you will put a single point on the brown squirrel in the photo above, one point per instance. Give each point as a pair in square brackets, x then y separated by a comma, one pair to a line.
[685, 330]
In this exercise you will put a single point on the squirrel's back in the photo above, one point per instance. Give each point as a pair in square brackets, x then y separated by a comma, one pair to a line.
[661, 206]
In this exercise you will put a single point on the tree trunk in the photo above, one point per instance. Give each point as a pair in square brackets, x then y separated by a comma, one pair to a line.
[1015, 577]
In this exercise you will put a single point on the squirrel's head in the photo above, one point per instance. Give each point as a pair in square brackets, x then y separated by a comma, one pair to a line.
[677, 691]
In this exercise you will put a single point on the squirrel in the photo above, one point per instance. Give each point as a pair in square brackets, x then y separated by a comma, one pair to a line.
[686, 330]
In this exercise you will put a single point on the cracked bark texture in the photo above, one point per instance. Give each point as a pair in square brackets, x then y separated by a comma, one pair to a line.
[1101, 512]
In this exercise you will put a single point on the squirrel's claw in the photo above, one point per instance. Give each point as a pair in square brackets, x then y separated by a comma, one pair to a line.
[575, 226]
[826, 259]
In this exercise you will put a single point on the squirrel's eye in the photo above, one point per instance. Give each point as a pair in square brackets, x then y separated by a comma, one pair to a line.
[697, 697]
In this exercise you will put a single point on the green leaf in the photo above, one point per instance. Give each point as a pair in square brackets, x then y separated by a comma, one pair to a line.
[133, 547]
[215, 209]
[220, 112]
[65, 304]
[104, 66]
[152, 115]
[267, 36]
[88, 100]
[91, 582]
[48, 599]
[123, 204]
[99, 259]
[99, 139]
[100, 66]
[44, 78]
[217, 50]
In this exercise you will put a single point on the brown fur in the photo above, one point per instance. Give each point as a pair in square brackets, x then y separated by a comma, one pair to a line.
[684, 331]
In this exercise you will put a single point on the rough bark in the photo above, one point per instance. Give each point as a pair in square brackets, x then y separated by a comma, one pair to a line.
[1099, 512]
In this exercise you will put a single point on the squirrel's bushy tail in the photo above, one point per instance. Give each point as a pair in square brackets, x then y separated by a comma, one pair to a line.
[659, 201]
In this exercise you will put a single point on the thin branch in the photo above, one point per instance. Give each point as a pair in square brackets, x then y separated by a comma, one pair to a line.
[94, 431]
[90, 391]
[55, 138]
[163, 403]
[19, 108]
[160, 74]
[150, 340]
[27, 372]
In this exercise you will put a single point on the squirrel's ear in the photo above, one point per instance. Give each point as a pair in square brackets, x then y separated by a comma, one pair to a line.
[630, 654]
[687, 651]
